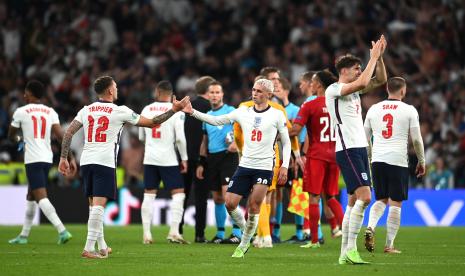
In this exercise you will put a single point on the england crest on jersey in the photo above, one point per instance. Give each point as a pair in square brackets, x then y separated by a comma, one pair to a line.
[257, 122]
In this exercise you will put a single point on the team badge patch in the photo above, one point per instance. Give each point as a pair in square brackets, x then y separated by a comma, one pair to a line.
[257, 122]
[364, 176]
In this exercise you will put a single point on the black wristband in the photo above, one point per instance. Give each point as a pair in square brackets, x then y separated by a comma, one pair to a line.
[202, 161]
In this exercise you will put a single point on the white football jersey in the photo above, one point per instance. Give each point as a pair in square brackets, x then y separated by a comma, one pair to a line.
[346, 117]
[390, 122]
[160, 141]
[102, 123]
[35, 121]
[260, 131]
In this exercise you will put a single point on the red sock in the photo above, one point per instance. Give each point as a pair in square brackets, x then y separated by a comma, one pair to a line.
[306, 223]
[336, 207]
[332, 222]
[314, 218]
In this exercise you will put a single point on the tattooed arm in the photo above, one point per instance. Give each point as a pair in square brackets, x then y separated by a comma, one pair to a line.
[157, 120]
[64, 166]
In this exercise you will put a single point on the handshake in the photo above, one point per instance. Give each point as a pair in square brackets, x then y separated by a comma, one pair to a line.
[183, 105]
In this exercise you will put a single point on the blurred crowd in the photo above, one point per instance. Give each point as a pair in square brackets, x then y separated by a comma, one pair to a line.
[67, 44]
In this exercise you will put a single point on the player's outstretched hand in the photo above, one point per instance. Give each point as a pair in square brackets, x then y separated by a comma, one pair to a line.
[383, 42]
[282, 176]
[199, 172]
[420, 170]
[188, 109]
[63, 166]
[375, 51]
[179, 105]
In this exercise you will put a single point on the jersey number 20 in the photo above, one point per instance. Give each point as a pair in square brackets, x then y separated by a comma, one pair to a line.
[326, 123]
[387, 133]
[256, 135]
[100, 135]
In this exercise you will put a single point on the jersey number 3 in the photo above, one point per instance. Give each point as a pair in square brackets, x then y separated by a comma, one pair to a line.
[387, 133]
[100, 135]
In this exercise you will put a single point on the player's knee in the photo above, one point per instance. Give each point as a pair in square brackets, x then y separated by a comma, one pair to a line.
[230, 206]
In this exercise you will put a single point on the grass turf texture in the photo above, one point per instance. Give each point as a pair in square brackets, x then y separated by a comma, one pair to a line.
[431, 251]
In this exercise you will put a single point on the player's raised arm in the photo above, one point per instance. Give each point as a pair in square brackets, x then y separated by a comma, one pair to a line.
[362, 82]
[209, 119]
[63, 166]
[157, 120]
[380, 70]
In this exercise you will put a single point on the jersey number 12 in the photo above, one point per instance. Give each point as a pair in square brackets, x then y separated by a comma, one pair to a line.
[100, 135]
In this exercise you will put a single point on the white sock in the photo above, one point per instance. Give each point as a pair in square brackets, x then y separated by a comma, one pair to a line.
[177, 209]
[147, 214]
[355, 223]
[51, 214]
[94, 226]
[345, 230]
[238, 218]
[392, 225]
[250, 229]
[376, 212]
[31, 207]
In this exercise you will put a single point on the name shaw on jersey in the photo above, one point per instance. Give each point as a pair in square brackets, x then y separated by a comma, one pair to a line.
[390, 106]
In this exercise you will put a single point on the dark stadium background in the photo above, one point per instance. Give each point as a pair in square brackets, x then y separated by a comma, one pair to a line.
[67, 44]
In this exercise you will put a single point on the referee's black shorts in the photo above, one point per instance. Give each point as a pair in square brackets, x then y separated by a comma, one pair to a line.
[220, 168]
[390, 181]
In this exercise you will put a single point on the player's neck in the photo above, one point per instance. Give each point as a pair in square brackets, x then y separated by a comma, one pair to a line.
[107, 99]
[394, 98]
[217, 106]
[320, 93]
[164, 99]
[261, 107]
[33, 101]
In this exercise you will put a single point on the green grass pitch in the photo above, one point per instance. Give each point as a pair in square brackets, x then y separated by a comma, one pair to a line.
[428, 251]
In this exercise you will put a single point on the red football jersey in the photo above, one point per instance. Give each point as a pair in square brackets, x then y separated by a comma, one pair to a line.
[315, 117]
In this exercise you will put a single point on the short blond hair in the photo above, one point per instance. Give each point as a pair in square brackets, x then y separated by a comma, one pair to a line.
[267, 84]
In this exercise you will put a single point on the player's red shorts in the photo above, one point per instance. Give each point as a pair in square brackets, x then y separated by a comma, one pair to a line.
[321, 177]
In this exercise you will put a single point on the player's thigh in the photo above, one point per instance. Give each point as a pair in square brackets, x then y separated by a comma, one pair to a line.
[331, 181]
[381, 177]
[354, 168]
[171, 177]
[37, 175]
[241, 182]
[316, 176]
[398, 183]
[151, 177]
[101, 181]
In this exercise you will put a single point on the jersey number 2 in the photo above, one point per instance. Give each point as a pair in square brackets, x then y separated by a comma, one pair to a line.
[100, 136]
[256, 135]
[156, 134]
[43, 125]
[387, 133]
